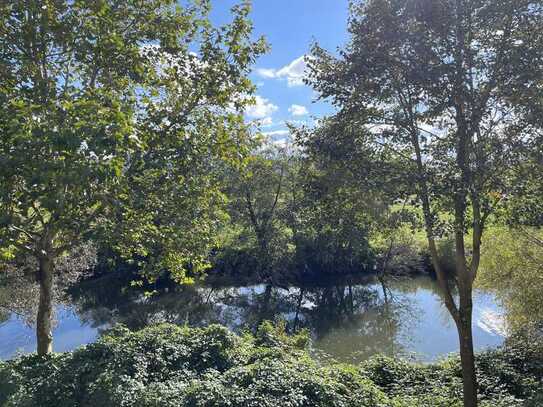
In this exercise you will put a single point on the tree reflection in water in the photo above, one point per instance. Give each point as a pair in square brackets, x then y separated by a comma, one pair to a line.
[349, 320]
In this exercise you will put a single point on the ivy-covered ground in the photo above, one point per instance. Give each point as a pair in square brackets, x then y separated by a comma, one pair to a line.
[167, 365]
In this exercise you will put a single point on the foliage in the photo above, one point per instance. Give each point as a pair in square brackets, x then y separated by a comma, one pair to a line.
[511, 268]
[508, 376]
[403, 121]
[113, 115]
[524, 206]
[291, 216]
[257, 193]
[337, 209]
[19, 296]
[333, 225]
[167, 365]
[450, 89]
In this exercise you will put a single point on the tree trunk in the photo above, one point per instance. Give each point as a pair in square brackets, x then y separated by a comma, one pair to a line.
[467, 358]
[264, 311]
[44, 333]
[384, 288]
[298, 309]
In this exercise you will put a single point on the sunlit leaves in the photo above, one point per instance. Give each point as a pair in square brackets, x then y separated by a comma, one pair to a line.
[115, 118]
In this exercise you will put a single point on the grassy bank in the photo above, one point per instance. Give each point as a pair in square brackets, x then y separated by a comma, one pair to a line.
[167, 365]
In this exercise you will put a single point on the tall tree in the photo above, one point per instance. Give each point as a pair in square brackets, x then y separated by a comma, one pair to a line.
[257, 199]
[109, 110]
[450, 87]
[332, 209]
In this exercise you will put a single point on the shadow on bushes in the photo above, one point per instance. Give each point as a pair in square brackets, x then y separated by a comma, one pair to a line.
[167, 365]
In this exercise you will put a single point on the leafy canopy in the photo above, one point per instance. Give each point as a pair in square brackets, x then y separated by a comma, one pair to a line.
[114, 114]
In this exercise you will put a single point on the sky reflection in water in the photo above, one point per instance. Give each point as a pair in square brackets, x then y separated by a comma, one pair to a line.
[347, 323]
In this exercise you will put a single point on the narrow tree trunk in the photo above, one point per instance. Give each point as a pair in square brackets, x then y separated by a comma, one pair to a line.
[45, 311]
[384, 288]
[351, 300]
[298, 309]
[467, 358]
[264, 311]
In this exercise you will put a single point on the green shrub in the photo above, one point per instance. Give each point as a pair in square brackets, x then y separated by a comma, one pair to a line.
[515, 369]
[108, 371]
[401, 379]
[166, 365]
[508, 376]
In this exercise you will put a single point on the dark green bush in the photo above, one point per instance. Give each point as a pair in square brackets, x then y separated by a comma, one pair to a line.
[167, 365]
[515, 369]
[508, 376]
[108, 371]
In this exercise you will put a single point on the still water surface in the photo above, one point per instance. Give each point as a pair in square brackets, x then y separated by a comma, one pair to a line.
[347, 321]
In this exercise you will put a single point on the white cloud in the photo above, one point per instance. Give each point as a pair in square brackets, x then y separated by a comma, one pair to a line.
[266, 122]
[280, 138]
[293, 73]
[283, 143]
[266, 73]
[298, 110]
[276, 134]
[261, 108]
[298, 122]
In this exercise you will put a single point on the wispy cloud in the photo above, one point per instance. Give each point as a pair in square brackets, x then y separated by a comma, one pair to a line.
[298, 110]
[276, 133]
[293, 73]
[266, 73]
[266, 122]
[261, 108]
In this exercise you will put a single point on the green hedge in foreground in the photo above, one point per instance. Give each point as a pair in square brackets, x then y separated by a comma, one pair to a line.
[166, 365]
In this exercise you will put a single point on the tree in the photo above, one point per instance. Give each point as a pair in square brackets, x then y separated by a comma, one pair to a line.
[452, 88]
[19, 290]
[524, 206]
[333, 212]
[512, 259]
[511, 267]
[257, 194]
[109, 111]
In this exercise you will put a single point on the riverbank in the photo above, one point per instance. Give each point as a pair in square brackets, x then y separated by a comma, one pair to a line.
[167, 365]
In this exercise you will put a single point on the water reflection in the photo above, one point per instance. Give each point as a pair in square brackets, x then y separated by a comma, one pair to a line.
[348, 321]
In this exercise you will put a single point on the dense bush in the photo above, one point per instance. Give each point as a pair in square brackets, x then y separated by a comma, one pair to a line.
[167, 365]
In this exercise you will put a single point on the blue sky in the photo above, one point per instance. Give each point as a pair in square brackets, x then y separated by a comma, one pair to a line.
[289, 26]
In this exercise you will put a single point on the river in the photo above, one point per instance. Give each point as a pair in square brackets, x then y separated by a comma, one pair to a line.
[348, 321]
